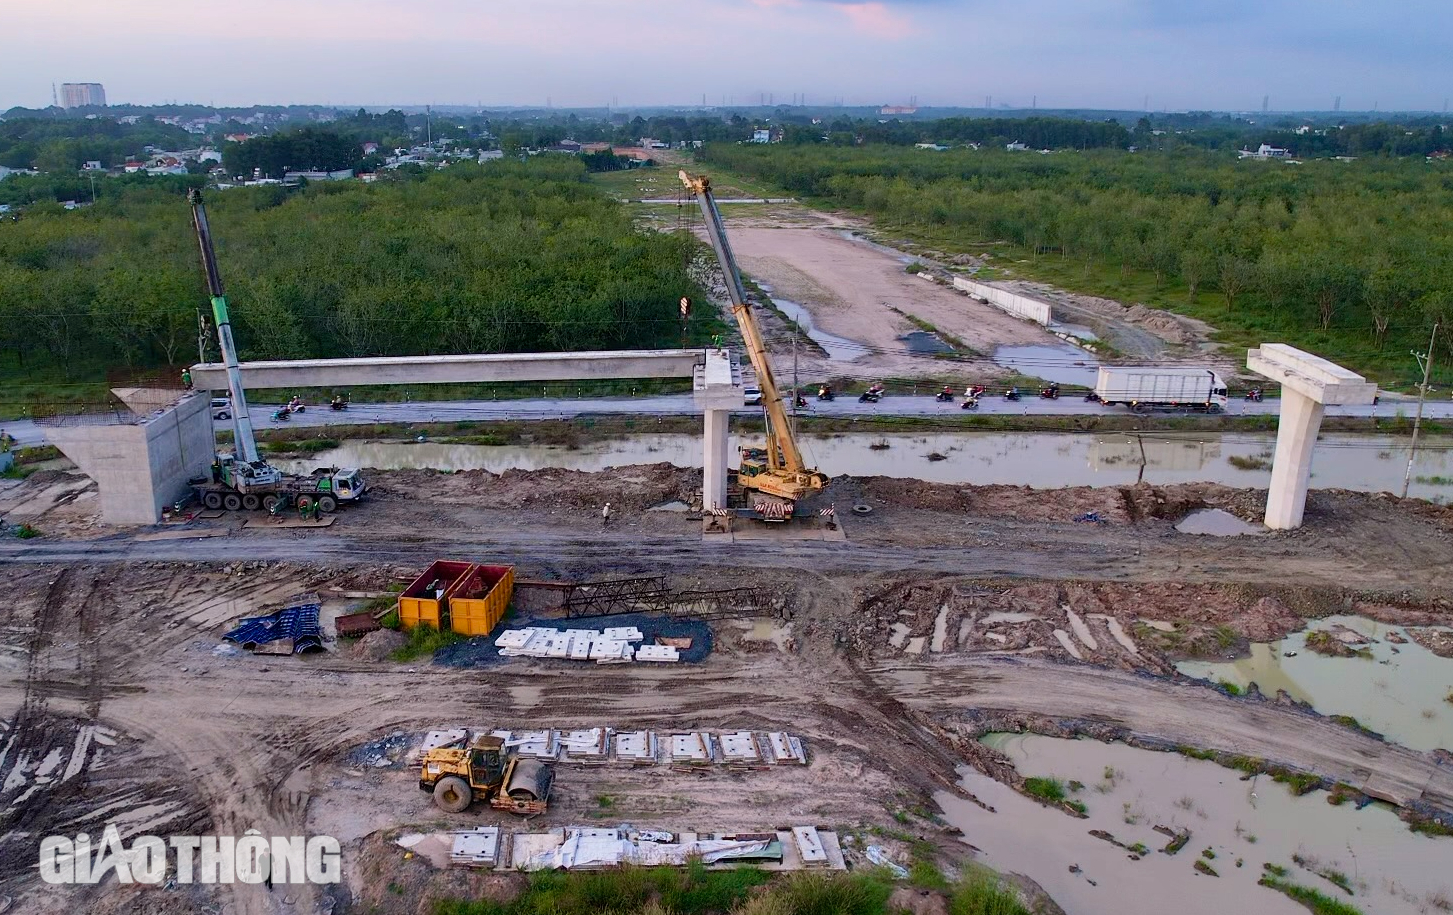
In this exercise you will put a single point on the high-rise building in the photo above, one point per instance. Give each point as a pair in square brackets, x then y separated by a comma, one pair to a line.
[79, 95]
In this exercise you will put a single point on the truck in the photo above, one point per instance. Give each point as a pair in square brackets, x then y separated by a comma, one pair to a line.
[1146, 388]
[244, 480]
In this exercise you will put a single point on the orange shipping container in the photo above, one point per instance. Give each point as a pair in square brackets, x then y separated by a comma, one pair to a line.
[479, 599]
[426, 599]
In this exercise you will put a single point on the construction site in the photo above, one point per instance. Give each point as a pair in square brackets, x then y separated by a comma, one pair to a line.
[469, 677]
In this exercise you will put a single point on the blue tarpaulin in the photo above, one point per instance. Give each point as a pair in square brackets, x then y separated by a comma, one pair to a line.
[299, 624]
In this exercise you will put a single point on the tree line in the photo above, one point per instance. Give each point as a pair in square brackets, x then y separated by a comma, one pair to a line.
[1356, 248]
[504, 257]
[306, 149]
[55, 145]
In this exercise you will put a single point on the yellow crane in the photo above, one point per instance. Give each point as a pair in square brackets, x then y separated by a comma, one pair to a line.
[777, 470]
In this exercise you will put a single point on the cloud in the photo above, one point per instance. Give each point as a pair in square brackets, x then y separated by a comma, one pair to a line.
[876, 19]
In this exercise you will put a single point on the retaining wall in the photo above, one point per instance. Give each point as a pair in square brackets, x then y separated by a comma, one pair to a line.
[1017, 305]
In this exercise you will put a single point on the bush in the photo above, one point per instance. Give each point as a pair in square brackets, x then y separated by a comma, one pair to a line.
[423, 641]
[1047, 789]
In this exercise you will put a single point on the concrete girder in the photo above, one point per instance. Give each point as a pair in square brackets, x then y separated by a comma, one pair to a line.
[1308, 384]
[465, 369]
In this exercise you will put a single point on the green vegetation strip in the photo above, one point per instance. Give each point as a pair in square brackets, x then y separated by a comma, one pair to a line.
[695, 890]
[1317, 902]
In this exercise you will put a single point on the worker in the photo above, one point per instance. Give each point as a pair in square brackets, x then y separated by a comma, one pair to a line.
[605, 515]
[187, 378]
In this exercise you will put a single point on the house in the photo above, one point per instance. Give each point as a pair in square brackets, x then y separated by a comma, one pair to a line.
[653, 143]
[92, 165]
[934, 146]
[898, 109]
[133, 166]
[238, 137]
[1016, 146]
[370, 148]
[488, 155]
[1263, 152]
[761, 136]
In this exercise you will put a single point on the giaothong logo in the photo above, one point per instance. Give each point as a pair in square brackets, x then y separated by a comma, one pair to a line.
[249, 858]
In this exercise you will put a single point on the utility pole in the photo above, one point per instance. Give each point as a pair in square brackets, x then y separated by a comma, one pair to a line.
[794, 374]
[1427, 362]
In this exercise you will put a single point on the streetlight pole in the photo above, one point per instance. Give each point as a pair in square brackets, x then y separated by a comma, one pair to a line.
[1427, 360]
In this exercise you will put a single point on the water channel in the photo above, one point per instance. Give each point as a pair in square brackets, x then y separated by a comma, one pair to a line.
[1043, 460]
[1390, 869]
[1399, 691]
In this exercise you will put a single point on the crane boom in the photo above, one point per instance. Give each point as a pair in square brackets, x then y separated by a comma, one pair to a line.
[786, 474]
[246, 442]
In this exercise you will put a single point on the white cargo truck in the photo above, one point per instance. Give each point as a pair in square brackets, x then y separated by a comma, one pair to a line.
[1146, 388]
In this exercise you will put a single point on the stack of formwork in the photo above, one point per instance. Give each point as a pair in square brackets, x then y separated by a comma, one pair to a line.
[742, 750]
[451, 737]
[638, 748]
[589, 747]
[477, 847]
[531, 744]
[810, 848]
[786, 749]
[692, 751]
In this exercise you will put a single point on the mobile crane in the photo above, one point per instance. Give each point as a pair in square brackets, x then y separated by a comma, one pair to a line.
[777, 470]
[243, 480]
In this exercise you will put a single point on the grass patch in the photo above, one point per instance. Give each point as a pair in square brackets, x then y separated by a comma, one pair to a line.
[304, 446]
[1347, 721]
[1299, 782]
[1231, 689]
[1205, 868]
[1046, 789]
[423, 641]
[1194, 753]
[1429, 826]
[1275, 870]
[1337, 878]
[1435, 480]
[1319, 903]
[390, 620]
[1248, 463]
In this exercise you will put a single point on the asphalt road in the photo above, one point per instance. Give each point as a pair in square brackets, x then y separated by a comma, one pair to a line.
[27, 433]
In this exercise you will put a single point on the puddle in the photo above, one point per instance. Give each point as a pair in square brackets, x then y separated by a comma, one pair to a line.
[994, 619]
[1391, 869]
[1039, 459]
[1078, 331]
[1398, 692]
[1060, 362]
[838, 349]
[768, 631]
[1217, 523]
[921, 342]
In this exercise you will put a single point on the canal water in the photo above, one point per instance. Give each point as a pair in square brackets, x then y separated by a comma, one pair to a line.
[1061, 362]
[1127, 792]
[1399, 691]
[1043, 460]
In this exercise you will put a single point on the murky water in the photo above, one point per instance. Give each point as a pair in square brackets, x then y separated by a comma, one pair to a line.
[1062, 362]
[1390, 869]
[839, 349]
[1398, 692]
[921, 341]
[1040, 459]
[1217, 523]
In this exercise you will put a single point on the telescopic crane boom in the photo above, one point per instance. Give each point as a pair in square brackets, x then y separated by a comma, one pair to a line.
[246, 442]
[780, 471]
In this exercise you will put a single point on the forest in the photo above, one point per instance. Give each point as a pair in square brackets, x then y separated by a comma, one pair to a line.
[1355, 255]
[306, 149]
[56, 145]
[502, 257]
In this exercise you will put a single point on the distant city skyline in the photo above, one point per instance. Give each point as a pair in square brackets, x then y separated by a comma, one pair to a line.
[1113, 54]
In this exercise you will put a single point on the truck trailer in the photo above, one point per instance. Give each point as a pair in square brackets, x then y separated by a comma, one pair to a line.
[1146, 388]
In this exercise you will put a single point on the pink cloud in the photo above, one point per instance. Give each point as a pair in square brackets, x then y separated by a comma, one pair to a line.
[876, 19]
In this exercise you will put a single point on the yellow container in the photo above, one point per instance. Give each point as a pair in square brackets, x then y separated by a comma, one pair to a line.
[426, 600]
[478, 600]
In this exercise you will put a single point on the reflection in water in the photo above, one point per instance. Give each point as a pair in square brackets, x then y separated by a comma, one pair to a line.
[1062, 362]
[1043, 460]
[1391, 869]
[837, 348]
[1399, 691]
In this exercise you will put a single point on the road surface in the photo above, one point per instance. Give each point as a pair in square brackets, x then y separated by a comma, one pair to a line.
[26, 433]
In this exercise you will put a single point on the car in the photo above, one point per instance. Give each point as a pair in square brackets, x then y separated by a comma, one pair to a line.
[752, 397]
[221, 408]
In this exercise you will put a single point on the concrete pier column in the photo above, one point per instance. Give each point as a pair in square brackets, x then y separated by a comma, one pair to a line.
[714, 460]
[1291, 469]
[1308, 384]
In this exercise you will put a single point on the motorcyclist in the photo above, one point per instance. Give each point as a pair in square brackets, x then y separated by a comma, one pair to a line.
[876, 389]
[824, 392]
[294, 404]
[337, 403]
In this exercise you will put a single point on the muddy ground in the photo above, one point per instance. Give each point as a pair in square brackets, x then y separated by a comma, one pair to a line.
[948, 609]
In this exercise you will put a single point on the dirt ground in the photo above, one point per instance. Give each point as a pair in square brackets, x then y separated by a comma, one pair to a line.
[948, 610]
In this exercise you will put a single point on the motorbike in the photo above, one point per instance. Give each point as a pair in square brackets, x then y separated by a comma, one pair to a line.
[825, 394]
[801, 401]
[281, 414]
[970, 403]
[870, 397]
[1050, 393]
[944, 396]
[338, 404]
[1254, 395]
[1092, 397]
[1011, 395]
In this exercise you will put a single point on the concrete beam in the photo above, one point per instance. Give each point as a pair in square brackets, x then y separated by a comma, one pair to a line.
[1308, 384]
[466, 369]
[143, 465]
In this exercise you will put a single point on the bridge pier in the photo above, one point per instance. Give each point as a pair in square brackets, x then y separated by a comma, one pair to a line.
[1308, 384]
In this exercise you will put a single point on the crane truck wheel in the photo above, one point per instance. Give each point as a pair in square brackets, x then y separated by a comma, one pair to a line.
[452, 794]
[251, 502]
[232, 502]
[271, 502]
[327, 504]
[212, 500]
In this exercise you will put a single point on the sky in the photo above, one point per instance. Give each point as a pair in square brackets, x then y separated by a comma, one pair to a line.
[1175, 54]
